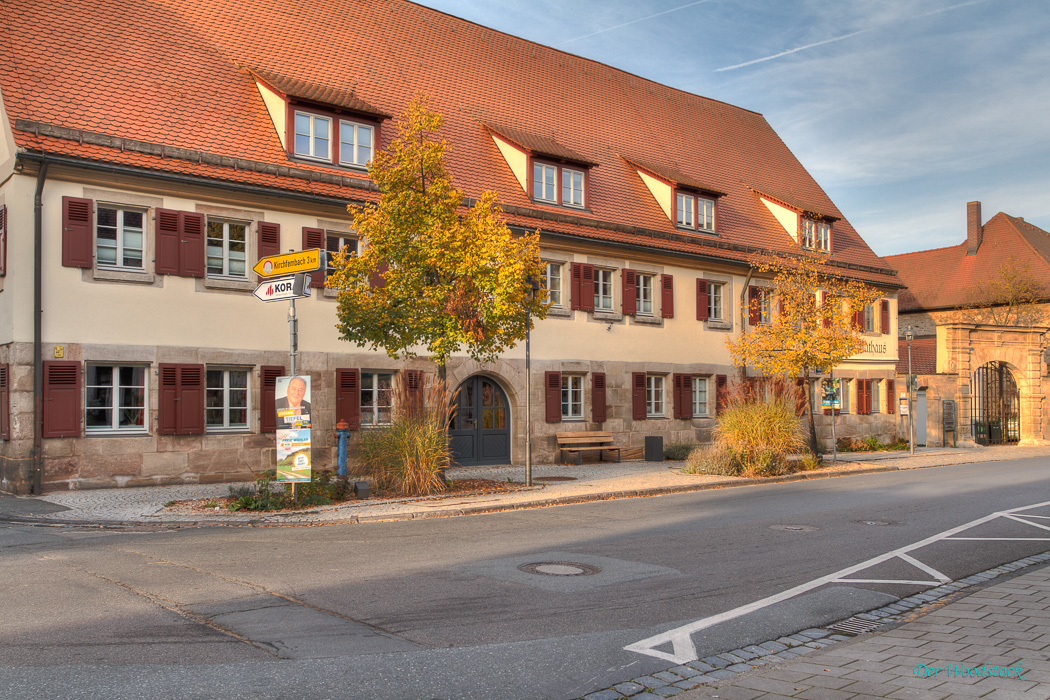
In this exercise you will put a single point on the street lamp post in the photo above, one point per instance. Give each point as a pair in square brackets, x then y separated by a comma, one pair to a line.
[910, 336]
[534, 287]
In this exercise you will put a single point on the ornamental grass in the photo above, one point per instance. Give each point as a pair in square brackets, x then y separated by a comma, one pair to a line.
[409, 456]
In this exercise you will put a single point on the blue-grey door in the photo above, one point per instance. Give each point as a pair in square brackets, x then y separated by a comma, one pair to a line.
[920, 418]
[480, 432]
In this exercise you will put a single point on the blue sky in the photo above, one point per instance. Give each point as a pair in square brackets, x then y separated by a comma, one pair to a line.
[903, 110]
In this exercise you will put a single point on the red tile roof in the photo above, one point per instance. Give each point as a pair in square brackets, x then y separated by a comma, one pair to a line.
[673, 176]
[943, 278]
[172, 77]
[923, 356]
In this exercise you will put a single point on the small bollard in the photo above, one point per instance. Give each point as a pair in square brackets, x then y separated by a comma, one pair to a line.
[342, 429]
[361, 490]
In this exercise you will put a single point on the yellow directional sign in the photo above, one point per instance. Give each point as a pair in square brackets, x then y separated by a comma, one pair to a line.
[288, 263]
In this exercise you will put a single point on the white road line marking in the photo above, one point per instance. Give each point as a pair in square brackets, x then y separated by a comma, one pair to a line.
[681, 637]
[1026, 522]
[925, 567]
[998, 539]
[887, 580]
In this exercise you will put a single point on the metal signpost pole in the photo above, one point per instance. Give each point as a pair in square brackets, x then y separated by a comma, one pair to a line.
[909, 336]
[834, 438]
[534, 287]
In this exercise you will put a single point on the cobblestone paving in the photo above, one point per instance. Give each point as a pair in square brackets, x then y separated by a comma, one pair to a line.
[1001, 626]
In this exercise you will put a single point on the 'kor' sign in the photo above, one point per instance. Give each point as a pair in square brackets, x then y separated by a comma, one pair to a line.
[281, 290]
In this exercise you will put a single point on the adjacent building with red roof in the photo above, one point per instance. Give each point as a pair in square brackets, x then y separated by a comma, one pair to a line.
[978, 315]
[151, 153]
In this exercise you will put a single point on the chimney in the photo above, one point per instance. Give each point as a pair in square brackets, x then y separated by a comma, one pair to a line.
[974, 230]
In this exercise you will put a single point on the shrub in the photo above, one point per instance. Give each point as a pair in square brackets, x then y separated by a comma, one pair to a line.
[678, 451]
[408, 457]
[713, 459]
[760, 427]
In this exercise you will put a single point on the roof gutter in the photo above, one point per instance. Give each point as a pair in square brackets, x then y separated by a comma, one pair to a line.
[37, 474]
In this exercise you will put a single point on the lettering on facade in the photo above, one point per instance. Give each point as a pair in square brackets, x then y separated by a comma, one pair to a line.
[876, 348]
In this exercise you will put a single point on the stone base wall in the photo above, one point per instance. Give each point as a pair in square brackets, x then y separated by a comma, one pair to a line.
[106, 461]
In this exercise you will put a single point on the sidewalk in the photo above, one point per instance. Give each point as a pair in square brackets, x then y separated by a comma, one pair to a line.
[985, 642]
[554, 485]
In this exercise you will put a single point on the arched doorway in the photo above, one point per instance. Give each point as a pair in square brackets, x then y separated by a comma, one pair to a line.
[996, 405]
[480, 432]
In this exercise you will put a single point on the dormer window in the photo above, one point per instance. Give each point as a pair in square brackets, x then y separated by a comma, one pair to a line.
[550, 180]
[313, 139]
[816, 235]
[313, 136]
[355, 143]
[694, 211]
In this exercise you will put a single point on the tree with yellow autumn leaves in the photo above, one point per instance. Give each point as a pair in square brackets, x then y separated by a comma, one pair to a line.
[432, 275]
[814, 325]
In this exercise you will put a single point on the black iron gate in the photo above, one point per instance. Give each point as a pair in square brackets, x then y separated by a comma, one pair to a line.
[996, 405]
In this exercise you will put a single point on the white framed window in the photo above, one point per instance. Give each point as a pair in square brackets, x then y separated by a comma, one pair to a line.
[313, 136]
[603, 289]
[809, 234]
[823, 240]
[644, 295]
[714, 301]
[815, 235]
[115, 399]
[355, 143]
[335, 242]
[552, 282]
[876, 404]
[684, 209]
[765, 307]
[700, 396]
[571, 188]
[227, 247]
[654, 396]
[544, 182]
[705, 213]
[376, 394]
[869, 319]
[844, 394]
[119, 237]
[225, 399]
[571, 397]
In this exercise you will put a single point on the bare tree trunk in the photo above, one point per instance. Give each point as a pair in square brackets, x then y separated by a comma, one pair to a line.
[812, 419]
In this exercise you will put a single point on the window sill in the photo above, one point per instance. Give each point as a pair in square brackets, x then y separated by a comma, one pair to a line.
[607, 317]
[310, 160]
[691, 229]
[648, 320]
[116, 433]
[719, 326]
[227, 431]
[124, 275]
[559, 312]
[565, 419]
[239, 285]
[559, 205]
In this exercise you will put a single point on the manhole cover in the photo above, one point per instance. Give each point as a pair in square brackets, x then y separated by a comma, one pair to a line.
[793, 528]
[559, 568]
[875, 522]
[555, 478]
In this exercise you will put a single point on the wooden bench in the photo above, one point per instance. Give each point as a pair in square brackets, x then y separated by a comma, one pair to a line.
[580, 442]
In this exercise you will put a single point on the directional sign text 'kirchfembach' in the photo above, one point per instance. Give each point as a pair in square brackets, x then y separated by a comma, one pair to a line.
[281, 289]
[289, 263]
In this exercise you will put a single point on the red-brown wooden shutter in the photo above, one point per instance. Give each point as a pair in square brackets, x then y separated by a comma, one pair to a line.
[638, 411]
[825, 311]
[598, 397]
[667, 296]
[754, 305]
[190, 400]
[858, 319]
[348, 397]
[166, 257]
[721, 387]
[61, 399]
[702, 300]
[314, 238]
[552, 395]
[269, 239]
[681, 397]
[781, 308]
[630, 291]
[587, 287]
[377, 281]
[76, 233]
[414, 389]
[3, 240]
[268, 375]
[884, 325]
[576, 274]
[191, 251]
[5, 402]
[891, 397]
[167, 405]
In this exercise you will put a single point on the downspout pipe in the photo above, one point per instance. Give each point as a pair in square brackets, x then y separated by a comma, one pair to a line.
[37, 476]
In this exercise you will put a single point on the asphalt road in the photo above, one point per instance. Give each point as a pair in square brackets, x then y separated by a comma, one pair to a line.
[441, 609]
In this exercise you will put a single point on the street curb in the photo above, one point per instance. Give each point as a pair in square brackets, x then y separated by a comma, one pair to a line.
[276, 520]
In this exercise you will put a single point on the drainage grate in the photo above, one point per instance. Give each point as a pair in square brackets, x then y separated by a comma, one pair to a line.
[855, 626]
[559, 568]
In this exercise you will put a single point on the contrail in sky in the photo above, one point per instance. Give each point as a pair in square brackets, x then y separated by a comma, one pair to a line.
[633, 21]
[840, 38]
